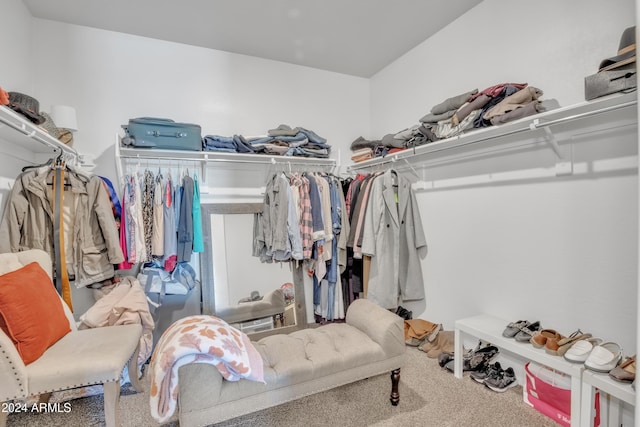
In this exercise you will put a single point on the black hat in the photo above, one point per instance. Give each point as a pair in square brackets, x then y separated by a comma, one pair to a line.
[27, 106]
[626, 51]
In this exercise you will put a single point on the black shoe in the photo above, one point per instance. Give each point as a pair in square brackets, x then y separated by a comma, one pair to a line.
[404, 313]
[490, 370]
[479, 359]
[444, 358]
[501, 380]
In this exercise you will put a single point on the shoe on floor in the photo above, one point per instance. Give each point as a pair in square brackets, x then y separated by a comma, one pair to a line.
[489, 370]
[604, 357]
[475, 360]
[502, 381]
[444, 358]
[481, 358]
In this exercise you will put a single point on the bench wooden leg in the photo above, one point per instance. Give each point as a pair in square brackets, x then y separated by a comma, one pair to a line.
[395, 380]
[111, 399]
[133, 371]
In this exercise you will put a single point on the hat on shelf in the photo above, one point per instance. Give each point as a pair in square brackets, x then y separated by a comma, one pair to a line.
[626, 52]
[48, 125]
[63, 135]
[26, 105]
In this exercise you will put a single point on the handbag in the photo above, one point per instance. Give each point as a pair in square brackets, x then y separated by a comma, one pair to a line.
[157, 281]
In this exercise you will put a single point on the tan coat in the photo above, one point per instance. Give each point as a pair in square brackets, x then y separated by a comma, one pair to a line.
[27, 223]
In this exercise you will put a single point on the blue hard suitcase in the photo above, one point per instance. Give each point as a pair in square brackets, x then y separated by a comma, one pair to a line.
[152, 132]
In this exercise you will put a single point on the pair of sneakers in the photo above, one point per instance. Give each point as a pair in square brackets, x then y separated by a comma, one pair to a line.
[494, 377]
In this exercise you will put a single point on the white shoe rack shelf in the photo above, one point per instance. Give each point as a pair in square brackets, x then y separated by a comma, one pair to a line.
[583, 382]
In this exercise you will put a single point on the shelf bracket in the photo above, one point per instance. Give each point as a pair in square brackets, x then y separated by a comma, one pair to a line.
[203, 168]
[563, 166]
[409, 165]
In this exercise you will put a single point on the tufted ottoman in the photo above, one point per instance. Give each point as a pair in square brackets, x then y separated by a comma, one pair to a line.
[371, 342]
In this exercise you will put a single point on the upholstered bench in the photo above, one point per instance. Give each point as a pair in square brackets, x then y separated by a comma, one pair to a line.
[371, 342]
[272, 304]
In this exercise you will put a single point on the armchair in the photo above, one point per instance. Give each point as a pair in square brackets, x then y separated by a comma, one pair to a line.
[80, 358]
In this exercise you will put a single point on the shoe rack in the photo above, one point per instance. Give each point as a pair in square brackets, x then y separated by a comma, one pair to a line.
[616, 393]
[489, 329]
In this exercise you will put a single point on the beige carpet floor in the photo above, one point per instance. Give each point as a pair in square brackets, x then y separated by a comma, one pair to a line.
[429, 396]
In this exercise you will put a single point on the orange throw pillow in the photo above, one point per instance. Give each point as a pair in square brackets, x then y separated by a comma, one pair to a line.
[31, 311]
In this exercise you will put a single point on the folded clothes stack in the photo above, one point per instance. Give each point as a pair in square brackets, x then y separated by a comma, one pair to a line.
[280, 141]
[495, 105]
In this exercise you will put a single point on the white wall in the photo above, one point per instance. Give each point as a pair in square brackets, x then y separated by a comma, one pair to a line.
[110, 77]
[15, 46]
[490, 245]
[550, 45]
[561, 250]
[16, 76]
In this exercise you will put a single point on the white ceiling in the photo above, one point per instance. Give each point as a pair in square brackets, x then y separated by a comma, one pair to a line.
[356, 37]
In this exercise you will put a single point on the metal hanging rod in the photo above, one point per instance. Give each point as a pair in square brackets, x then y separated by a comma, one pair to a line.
[172, 156]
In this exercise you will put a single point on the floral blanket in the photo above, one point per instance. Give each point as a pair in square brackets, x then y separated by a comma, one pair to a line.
[199, 339]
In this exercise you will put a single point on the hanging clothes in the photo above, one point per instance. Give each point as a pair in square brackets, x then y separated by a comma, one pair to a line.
[198, 240]
[394, 238]
[92, 237]
[300, 185]
[139, 236]
[185, 224]
[125, 264]
[304, 217]
[170, 228]
[157, 231]
[148, 185]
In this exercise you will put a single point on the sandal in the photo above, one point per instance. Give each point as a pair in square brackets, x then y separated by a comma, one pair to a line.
[514, 327]
[604, 357]
[527, 332]
[626, 371]
[539, 339]
[566, 343]
[475, 360]
[581, 349]
[551, 346]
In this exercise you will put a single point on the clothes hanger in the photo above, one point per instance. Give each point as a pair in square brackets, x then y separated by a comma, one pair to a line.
[47, 163]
